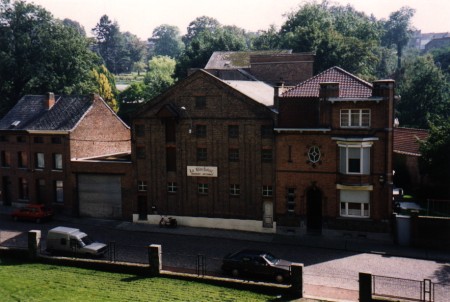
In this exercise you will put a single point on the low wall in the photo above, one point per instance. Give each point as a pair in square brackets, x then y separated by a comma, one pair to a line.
[430, 232]
[213, 223]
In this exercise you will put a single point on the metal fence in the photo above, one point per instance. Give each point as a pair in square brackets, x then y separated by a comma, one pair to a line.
[410, 290]
[198, 264]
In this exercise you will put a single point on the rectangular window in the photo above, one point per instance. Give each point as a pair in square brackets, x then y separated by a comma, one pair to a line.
[235, 190]
[266, 155]
[172, 187]
[267, 191]
[57, 161]
[56, 140]
[233, 131]
[21, 139]
[40, 161]
[38, 140]
[6, 159]
[290, 200]
[202, 154]
[203, 189]
[357, 118]
[171, 159]
[140, 152]
[23, 189]
[266, 131]
[233, 154]
[40, 190]
[59, 191]
[22, 159]
[200, 102]
[355, 203]
[171, 130]
[142, 186]
[354, 160]
[139, 130]
[200, 130]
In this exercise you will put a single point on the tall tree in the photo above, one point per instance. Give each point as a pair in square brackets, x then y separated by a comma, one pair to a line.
[166, 41]
[267, 39]
[38, 54]
[75, 25]
[398, 30]
[199, 25]
[425, 93]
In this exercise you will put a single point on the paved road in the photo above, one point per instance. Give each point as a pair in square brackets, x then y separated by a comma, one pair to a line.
[323, 266]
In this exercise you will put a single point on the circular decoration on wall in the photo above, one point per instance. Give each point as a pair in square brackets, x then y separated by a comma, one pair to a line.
[314, 154]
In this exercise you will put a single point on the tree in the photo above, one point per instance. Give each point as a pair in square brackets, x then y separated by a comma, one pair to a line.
[104, 85]
[435, 159]
[133, 52]
[159, 77]
[266, 39]
[442, 59]
[425, 94]
[75, 25]
[398, 31]
[166, 41]
[39, 54]
[199, 25]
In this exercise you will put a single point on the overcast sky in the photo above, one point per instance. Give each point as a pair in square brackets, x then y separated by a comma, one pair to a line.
[140, 17]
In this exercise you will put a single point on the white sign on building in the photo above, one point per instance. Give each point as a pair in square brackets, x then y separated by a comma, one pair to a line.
[201, 171]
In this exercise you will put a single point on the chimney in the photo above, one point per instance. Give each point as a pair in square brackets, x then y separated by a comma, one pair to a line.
[276, 93]
[329, 90]
[49, 100]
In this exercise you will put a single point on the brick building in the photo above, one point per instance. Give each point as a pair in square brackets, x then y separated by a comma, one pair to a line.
[42, 140]
[334, 144]
[203, 152]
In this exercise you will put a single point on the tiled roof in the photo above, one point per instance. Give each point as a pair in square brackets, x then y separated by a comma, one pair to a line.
[406, 140]
[237, 59]
[350, 86]
[30, 113]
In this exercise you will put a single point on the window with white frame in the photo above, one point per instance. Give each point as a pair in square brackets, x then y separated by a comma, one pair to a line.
[355, 203]
[57, 161]
[235, 190]
[40, 161]
[203, 189]
[142, 186]
[355, 158]
[290, 200]
[172, 187]
[267, 191]
[357, 118]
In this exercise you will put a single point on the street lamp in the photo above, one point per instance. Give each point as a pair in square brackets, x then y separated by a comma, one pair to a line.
[190, 119]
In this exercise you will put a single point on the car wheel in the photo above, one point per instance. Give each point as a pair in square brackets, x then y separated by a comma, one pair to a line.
[235, 272]
[279, 278]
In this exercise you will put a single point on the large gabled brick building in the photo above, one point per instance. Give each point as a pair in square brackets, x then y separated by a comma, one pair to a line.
[334, 144]
[44, 141]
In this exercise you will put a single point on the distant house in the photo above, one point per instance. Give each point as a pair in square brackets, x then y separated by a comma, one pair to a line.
[334, 144]
[43, 140]
[406, 157]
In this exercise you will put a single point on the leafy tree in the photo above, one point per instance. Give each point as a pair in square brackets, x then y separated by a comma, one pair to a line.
[398, 31]
[425, 93]
[75, 25]
[167, 41]
[159, 77]
[133, 51]
[266, 39]
[38, 53]
[104, 85]
[435, 159]
[199, 25]
[442, 59]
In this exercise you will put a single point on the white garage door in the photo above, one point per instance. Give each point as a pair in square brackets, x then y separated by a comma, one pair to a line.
[100, 195]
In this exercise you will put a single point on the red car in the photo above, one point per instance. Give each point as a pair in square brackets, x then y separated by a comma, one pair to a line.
[33, 212]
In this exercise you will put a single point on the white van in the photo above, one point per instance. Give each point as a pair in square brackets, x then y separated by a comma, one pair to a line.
[71, 240]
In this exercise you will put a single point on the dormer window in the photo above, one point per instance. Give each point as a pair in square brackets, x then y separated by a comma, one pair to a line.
[355, 118]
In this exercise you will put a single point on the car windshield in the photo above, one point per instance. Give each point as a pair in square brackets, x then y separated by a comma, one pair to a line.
[271, 258]
[87, 240]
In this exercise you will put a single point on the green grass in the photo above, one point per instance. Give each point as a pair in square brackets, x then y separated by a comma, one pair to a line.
[41, 282]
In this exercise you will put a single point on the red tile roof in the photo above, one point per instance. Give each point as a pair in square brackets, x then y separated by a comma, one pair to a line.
[350, 86]
[406, 140]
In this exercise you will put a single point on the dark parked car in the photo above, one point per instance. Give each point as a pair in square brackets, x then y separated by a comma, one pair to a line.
[33, 212]
[258, 264]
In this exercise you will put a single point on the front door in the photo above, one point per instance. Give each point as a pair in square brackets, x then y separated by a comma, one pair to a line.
[142, 208]
[314, 210]
[268, 214]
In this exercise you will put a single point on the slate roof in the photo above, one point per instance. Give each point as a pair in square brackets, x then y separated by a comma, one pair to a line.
[350, 86]
[258, 91]
[237, 59]
[406, 140]
[30, 113]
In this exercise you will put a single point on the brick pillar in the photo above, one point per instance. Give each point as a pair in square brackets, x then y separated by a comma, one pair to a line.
[155, 259]
[297, 280]
[365, 287]
[34, 239]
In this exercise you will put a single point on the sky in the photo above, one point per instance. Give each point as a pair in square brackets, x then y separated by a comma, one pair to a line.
[140, 17]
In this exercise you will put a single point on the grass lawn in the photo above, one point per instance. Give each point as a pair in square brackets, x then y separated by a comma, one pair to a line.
[41, 282]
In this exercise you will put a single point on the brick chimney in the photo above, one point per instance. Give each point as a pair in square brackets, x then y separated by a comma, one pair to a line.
[49, 101]
[329, 90]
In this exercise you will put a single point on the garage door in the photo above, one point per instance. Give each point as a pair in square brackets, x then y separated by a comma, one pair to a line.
[100, 195]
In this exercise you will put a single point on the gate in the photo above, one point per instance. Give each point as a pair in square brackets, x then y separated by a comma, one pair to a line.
[410, 290]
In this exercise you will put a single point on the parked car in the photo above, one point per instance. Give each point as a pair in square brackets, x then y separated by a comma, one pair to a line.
[33, 212]
[257, 263]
